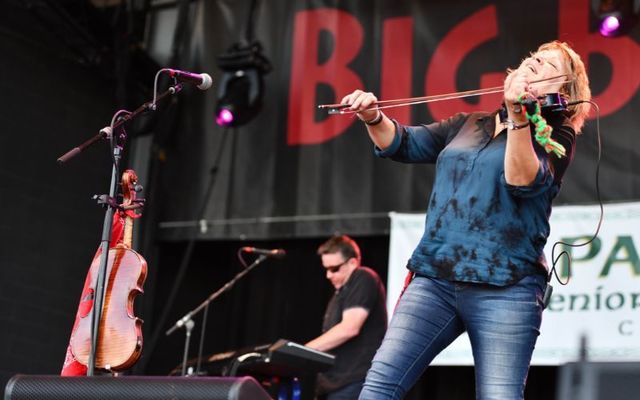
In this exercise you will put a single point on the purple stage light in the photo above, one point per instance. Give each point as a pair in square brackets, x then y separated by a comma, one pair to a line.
[225, 117]
[609, 25]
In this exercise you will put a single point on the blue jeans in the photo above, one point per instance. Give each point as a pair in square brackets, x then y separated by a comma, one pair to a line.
[503, 326]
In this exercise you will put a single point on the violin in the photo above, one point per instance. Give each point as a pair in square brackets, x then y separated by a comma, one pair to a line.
[120, 334]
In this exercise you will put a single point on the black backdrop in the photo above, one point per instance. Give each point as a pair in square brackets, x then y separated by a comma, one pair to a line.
[50, 227]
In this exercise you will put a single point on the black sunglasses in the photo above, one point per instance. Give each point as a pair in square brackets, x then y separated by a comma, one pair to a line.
[334, 268]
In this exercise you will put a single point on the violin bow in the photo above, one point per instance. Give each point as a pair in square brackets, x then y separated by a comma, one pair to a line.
[379, 105]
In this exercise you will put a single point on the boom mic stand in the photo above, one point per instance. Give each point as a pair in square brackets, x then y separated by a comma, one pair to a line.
[186, 320]
[117, 147]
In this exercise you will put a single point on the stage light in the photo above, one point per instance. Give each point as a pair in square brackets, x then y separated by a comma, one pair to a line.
[240, 88]
[224, 117]
[609, 25]
[616, 17]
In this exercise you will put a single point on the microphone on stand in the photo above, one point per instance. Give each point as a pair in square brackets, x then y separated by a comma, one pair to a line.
[202, 81]
[276, 253]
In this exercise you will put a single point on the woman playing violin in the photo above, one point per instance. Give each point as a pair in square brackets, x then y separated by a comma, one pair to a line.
[479, 266]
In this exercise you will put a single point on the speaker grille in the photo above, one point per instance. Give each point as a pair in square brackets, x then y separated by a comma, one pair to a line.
[41, 387]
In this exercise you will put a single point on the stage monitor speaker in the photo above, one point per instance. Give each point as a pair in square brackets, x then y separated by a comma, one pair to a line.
[599, 381]
[46, 387]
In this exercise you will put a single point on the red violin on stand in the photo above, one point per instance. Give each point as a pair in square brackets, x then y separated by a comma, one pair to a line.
[120, 334]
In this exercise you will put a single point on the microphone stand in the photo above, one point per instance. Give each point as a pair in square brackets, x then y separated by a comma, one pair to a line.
[106, 132]
[99, 294]
[117, 145]
[187, 317]
[188, 327]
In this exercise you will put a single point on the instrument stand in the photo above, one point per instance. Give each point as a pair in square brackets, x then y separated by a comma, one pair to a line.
[117, 146]
[184, 321]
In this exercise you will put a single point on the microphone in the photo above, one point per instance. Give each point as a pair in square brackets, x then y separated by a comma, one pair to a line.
[202, 81]
[276, 253]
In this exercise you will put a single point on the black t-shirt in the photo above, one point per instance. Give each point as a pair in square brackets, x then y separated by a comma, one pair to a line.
[353, 358]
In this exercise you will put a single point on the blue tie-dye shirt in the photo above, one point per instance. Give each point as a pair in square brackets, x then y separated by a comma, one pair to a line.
[478, 227]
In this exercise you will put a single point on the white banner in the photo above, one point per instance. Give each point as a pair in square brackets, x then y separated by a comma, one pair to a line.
[601, 303]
